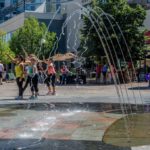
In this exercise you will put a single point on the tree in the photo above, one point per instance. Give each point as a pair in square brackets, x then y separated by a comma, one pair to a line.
[130, 20]
[4, 49]
[29, 38]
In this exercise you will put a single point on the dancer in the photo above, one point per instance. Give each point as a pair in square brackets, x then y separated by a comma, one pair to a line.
[19, 72]
[28, 70]
[33, 77]
[51, 76]
[1, 72]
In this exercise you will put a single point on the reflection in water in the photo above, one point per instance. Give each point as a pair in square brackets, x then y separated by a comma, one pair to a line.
[26, 135]
[71, 113]
[39, 129]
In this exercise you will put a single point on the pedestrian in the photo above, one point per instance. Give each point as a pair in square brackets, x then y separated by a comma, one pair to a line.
[40, 72]
[1, 72]
[64, 73]
[112, 73]
[98, 72]
[33, 78]
[19, 72]
[104, 72]
[27, 69]
[138, 71]
[7, 76]
[51, 76]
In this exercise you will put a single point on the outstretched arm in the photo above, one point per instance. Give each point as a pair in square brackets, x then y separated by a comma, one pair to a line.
[11, 58]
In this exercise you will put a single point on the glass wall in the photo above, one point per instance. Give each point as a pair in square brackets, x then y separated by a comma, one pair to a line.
[53, 5]
[33, 5]
[2, 3]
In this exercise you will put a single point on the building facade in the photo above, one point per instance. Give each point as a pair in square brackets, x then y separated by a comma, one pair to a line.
[144, 3]
[2, 4]
[46, 11]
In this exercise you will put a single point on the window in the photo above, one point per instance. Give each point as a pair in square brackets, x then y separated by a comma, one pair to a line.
[58, 5]
[2, 4]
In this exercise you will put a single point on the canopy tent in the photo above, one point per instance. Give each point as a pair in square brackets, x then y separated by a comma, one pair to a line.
[64, 57]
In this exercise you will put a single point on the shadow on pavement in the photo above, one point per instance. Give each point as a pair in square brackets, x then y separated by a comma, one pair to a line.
[45, 144]
[140, 88]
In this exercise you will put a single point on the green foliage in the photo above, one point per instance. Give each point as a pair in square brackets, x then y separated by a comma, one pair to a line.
[4, 49]
[29, 38]
[130, 21]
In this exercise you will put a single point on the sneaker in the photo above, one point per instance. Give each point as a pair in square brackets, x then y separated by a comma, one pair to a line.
[36, 97]
[31, 97]
[53, 93]
[49, 93]
[19, 98]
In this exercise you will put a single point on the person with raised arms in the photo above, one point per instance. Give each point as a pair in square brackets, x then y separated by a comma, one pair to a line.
[51, 76]
[19, 72]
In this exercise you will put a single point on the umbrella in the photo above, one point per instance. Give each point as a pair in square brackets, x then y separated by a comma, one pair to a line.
[69, 56]
[63, 57]
[58, 57]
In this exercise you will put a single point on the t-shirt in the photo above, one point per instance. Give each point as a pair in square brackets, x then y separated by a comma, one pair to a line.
[18, 71]
[64, 70]
[32, 70]
[105, 68]
[51, 69]
[1, 67]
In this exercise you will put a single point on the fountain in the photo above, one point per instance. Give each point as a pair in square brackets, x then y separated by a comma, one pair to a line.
[119, 125]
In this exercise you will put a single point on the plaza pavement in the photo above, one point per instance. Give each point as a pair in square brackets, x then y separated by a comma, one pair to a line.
[130, 93]
[40, 125]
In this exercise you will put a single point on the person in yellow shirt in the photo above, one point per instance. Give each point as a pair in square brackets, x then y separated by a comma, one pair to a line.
[19, 72]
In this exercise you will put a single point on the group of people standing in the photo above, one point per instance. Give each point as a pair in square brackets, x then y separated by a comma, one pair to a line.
[27, 73]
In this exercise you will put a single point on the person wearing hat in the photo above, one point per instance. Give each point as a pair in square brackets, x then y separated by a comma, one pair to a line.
[1, 72]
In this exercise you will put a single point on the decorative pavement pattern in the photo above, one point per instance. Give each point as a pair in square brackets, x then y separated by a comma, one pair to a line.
[24, 127]
[45, 125]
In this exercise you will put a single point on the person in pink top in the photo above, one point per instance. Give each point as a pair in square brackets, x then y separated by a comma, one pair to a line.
[64, 72]
[51, 76]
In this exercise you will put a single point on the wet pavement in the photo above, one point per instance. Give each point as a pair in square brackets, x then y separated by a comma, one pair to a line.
[30, 126]
[75, 119]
